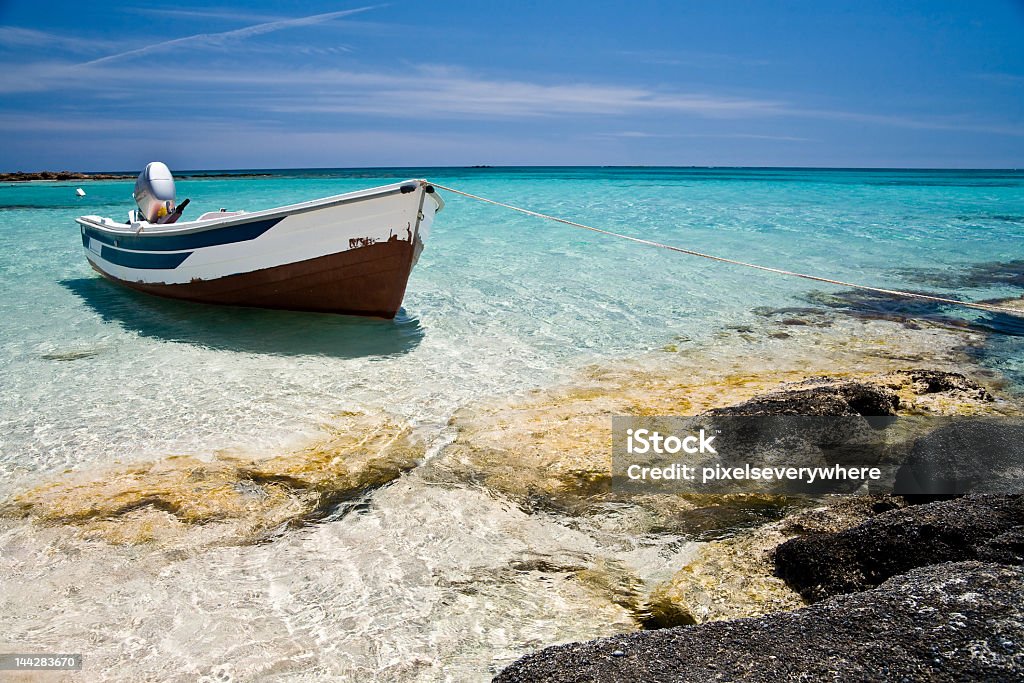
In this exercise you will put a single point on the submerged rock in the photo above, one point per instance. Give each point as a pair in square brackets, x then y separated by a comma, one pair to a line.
[974, 630]
[1016, 304]
[726, 579]
[975, 527]
[735, 577]
[232, 499]
[552, 449]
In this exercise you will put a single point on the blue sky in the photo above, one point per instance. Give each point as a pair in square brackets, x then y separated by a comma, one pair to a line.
[105, 86]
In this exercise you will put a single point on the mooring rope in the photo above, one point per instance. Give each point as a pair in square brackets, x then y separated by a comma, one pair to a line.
[892, 292]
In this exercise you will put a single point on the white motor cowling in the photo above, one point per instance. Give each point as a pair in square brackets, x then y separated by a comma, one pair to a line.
[154, 192]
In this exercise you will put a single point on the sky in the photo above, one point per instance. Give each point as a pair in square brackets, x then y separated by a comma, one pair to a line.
[111, 86]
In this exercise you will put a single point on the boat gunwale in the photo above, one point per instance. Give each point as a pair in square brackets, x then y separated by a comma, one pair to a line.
[197, 226]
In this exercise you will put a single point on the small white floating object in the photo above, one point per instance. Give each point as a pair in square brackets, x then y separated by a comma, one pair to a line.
[80, 192]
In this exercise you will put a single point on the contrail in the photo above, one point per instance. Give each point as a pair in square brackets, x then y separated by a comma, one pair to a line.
[238, 33]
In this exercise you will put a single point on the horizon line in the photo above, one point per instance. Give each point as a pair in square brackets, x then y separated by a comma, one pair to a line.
[540, 166]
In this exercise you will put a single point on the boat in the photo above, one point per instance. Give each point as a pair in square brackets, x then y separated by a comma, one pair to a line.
[350, 253]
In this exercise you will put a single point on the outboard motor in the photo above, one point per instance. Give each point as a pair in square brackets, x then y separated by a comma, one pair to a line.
[154, 193]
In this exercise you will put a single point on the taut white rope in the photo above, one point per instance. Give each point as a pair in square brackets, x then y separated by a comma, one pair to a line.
[893, 292]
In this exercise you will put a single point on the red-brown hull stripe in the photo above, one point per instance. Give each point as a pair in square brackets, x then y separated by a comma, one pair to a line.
[370, 280]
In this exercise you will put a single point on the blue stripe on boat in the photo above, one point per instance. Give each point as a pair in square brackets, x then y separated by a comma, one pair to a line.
[136, 259]
[155, 241]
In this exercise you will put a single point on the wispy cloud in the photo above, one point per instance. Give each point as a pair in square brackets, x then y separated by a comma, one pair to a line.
[17, 37]
[34, 123]
[127, 143]
[758, 136]
[432, 92]
[639, 134]
[1009, 80]
[208, 13]
[225, 37]
[333, 50]
[691, 58]
[428, 91]
[952, 123]
[441, 92]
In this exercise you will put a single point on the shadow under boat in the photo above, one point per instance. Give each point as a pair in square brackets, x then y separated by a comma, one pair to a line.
[251, 330]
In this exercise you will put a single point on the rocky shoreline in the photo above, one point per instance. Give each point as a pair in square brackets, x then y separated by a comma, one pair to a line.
[954, 621]
[751, 586]
[988, 528]
[931, 592]
[874, 588]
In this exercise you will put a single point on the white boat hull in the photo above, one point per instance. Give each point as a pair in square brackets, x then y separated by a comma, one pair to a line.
[351, 253]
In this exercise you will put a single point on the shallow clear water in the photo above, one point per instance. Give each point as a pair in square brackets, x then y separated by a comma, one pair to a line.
[499, 302]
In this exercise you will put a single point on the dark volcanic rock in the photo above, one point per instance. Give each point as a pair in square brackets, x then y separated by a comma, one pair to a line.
[948, 622]
[819, 396]
[965, 456]
[975, 527]
[814, 423]
[935, 381]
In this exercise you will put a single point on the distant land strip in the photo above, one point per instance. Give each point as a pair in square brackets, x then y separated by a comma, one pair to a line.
[60, 175]
[75, 175]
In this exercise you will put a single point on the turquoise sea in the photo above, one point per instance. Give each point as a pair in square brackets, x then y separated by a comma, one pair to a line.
[499, 303]
[499, 300]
